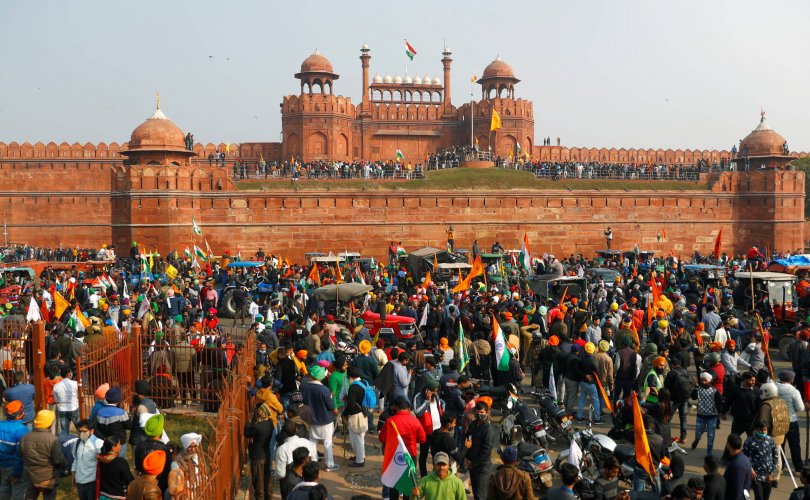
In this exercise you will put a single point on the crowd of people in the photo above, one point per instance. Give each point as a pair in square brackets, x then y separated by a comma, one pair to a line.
[320, 373]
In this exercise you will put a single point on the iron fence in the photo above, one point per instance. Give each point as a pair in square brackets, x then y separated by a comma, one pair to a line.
[105, 358]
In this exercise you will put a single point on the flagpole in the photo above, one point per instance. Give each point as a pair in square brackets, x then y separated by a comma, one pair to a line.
[472, 118]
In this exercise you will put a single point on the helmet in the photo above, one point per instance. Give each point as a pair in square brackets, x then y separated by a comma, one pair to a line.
[768, 390]
[730, 344]
[660, 362]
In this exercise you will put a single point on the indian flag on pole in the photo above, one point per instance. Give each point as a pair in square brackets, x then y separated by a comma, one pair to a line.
[195, 227]
[502, 354]
[463, 355]
[410, 52]
[199, 253]
[400, 156]
[398, 470]
[518, 149]
[188, 254]
[525, 257]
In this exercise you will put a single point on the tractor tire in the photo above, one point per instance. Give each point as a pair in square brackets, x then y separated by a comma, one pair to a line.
[784, 344]
[227, 305]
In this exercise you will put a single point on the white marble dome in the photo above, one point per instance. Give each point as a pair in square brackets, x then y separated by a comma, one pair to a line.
[436, 81]
[426, 80]
[377, 79]
[387, 79]
[407, 80]
[397, 79]
[417, 80]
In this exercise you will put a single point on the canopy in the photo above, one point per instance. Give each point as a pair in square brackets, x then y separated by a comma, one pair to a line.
[343, 291]
[791, 264]
[244, 263]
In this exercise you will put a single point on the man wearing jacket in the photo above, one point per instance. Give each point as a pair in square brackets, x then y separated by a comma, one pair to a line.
[508, 481]
[42, 455]
[13, 483]
[479, 443]
[409, 428]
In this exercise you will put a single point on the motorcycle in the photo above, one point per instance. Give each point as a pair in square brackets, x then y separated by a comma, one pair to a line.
[557, 422]
[535, 461]
[502, 396]
[522, 423]
[595, 449]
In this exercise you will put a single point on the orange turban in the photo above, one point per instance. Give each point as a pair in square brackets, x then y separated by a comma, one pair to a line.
[154, 462]
[554, 340]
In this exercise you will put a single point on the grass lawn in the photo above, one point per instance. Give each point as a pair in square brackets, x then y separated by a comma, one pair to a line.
[175, 426]
[469, 179]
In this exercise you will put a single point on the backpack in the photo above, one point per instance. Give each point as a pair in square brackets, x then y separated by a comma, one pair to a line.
[683, 389]
[779, 417]
[370, 397]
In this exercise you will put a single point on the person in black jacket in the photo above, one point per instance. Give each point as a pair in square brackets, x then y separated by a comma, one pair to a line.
[587, 385]
[357, 425]
[260, 430]
[743, 403]
[571, 376]
[714, 484]
[480, 440]
[444, 439]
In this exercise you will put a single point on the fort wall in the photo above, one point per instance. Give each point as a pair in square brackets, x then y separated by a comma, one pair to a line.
[75, 204]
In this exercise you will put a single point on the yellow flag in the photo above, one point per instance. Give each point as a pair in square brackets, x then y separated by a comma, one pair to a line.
[59, 304]
[151, 263]
[171, 272]
[495, 124]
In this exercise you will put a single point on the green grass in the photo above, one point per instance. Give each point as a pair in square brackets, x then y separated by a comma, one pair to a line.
[469, 179]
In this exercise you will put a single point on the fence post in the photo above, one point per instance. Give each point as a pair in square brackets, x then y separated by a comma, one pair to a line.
[135, 340]
[38, 351]
[80, 387]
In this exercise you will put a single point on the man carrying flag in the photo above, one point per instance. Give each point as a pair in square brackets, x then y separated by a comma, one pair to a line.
[400, 435]
[649, 449]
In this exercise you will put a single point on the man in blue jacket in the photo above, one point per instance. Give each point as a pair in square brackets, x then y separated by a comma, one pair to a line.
[13, 483]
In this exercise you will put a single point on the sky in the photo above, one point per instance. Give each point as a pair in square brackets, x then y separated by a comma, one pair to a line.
[601, 73]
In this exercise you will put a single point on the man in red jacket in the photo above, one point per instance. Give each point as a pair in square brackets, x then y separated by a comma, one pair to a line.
[409, 428]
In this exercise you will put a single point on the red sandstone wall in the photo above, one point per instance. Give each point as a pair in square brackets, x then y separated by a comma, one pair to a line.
[633, 155]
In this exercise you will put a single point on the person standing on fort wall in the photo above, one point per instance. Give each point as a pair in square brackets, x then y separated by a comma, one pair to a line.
[451, 237]
[608, 237]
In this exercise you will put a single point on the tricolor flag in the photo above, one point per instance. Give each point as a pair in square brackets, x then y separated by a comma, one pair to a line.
[199, 253]
[463, 355]
[188, 254]
[410, 52]
[109, 281]
[360, 273]
[398, 470]
[400, 156]
[518, 149]
[502, 354]
[525, 257]
[78, 320]
[195, 227]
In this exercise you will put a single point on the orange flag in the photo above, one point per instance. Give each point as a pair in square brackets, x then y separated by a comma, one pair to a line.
[338, 273]
[60, 305]
[478, 268]
[314, 275]
[643, 455]
[44, 311]
[435, 263]
[427, 280]
[717, 243]
[605, 397]
[664, 234]
[463, 283]
[280, 263]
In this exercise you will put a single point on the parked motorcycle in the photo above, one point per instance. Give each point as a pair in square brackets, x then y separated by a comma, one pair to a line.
[502, 396]
[535, 461]
[522, 423]
[557, 422]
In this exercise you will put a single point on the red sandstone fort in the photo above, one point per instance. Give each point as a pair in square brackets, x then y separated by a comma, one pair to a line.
[88, 194]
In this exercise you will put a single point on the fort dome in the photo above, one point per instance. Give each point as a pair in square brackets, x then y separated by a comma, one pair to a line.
[763, 141]
[316, 63]
[157, 133]
[417, 80]
[498, 69]
[377, 79]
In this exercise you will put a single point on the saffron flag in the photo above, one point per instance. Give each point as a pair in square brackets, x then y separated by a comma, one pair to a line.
[398, 470]
[338, 273]
[478, 268]
[314, 275]
[525, 258]
[60, 305]
[463, 283]
[410, 52]
[81, 318]
[605, 397]
[643, 456]
[44, 312]
[718, 242]
[463, 355]
[195, 227]
[427, 281]
[495, 122]
[502, 354]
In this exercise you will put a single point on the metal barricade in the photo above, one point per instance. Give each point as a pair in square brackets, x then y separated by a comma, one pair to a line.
[104, 359]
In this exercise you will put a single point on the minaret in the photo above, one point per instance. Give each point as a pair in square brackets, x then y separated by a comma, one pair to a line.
[446, 60]
[365, 58]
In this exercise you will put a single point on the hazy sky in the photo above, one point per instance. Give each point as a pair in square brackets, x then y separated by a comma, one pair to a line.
[613, 73]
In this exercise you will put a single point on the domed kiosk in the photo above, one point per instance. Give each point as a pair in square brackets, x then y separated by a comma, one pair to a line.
[157, 141]
[763, 148]
[316, 71]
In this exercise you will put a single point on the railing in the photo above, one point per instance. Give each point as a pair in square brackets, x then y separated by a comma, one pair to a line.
[218, 474]
[22, 348]
[104, 359]
[560, 171]
[352, 172]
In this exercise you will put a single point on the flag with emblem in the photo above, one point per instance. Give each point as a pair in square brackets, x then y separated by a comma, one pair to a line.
[399, 469]
[171, 272]
[60, 305]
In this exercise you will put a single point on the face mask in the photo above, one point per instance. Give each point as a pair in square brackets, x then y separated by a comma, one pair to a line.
[763, 435]
[482, 416]
[84, 435]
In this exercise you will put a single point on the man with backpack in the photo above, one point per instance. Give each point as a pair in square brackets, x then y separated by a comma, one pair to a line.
[354, 413]
[680, 386]
[774, 413]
